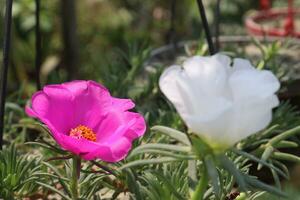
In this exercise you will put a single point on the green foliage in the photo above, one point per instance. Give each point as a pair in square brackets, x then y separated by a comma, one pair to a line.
[89, 182]
[18, 174]
[166, 181]
[126, 70]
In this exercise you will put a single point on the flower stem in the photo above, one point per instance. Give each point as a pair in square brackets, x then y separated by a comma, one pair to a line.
[201, 187]
[75, 176]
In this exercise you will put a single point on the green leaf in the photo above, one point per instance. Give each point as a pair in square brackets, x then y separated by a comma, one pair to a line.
[163, 153]
[265, 156]
[282, 167]
[46, 146]
[25, 169]
[148, 162]
[286, 144]
[284, 135]
[257, 195]
[14, 106]
[167, 183]
[262, 186]
[269, 131]
[213, 174]
[175, 134]
[150, 194]
[133, 185]
[17, 173]
[286, 156]
[168, 147]
[276, 179]
[61, 178]
[53, 189]
[54, 169]
[231, 168]
[262, 162]
[51, 175]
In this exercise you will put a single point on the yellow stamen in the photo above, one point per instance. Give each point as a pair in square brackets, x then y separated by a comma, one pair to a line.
[83, 132]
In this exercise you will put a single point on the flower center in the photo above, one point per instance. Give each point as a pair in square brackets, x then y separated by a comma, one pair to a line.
[83, 132]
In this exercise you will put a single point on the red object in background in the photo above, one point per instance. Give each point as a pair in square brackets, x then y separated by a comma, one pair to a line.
[289, 25]
[272, 14]
[265, 4]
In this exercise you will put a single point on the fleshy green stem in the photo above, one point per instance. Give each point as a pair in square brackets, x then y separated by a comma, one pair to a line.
[284, 135]
[201, 187]
[75, 176]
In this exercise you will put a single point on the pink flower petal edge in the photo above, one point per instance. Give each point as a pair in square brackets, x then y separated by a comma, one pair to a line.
[63, 107]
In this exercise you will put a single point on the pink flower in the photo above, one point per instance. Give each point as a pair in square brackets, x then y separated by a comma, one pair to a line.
[84, 119]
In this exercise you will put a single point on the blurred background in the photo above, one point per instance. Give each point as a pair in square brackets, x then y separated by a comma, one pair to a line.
[99, 29]
[81, 38]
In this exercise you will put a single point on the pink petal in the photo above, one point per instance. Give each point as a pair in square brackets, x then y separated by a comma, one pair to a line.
[90, 102]
[133, 126]
[54, 104]
[66, 106]
[136, 124]
[108, 125]
[76, 88]
[111, 152]
[122, 104]
[40, 104]
[116, 124]
[77, 146]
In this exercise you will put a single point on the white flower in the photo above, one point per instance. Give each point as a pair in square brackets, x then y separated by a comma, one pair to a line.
[220, 102]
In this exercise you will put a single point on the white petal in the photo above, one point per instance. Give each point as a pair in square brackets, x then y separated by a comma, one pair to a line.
[188, 99]
[208, 73]
[251, 118]
[251, 124]
[242, 64]
[250, 84]
[210, 108]
[235, 124]
[214, 130]
[224, 59]
[179, 95]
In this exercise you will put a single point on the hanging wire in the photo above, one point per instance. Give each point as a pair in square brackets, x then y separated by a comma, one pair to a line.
[4, 69]
[171, 35]
[70, 38]
[206, 27]
[217, 25]
[38, 47]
